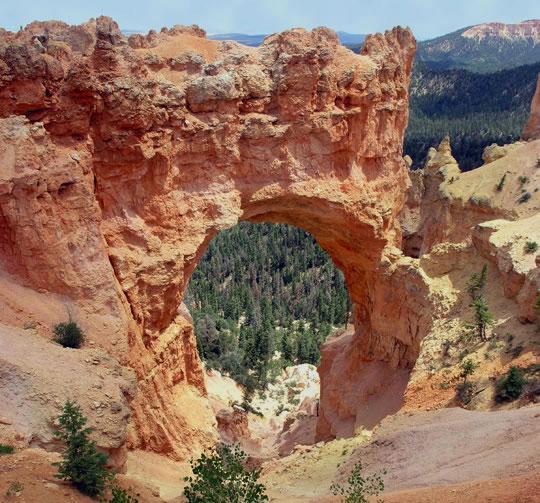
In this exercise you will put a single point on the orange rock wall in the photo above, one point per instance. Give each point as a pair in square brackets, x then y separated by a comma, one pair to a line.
[121, 161]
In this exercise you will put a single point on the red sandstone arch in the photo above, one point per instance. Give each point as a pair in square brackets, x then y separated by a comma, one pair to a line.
[138, 154]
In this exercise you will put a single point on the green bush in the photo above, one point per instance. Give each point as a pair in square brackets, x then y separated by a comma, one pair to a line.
[523, 180]
[524, 197]
[531, 247]
[81, 464]
[358, 488]
[119, 495]
[500, 185]
[221, 477]
[6, 449]
[69, 335]
[511, 385]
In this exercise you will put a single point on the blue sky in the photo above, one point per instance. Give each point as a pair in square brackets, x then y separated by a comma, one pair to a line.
[427, 18]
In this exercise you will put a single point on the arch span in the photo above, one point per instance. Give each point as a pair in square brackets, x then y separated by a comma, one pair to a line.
[143, 149]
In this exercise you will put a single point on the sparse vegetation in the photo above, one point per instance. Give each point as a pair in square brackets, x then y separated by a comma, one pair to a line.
[477, 282]
[445, 348]
[6, 449]
[524, 197]
[465, 390]
[359, 489]
[483, 316]
[15, 488]
[119, 495]
[222, 477]
[511, 386]
[523, 180]
[481, 201]
[81, 464]
[531, 247]
[69, 335]
[500, 185]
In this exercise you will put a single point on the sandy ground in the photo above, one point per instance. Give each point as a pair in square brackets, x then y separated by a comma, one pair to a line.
[32, 469]
[524, 489]
[446, 456]
[425, 449]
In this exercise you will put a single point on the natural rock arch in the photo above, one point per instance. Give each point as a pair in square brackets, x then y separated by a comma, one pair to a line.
[132, 156]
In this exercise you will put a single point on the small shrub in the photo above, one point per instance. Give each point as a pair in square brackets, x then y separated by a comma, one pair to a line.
[81, 464]
[501, 183]
[481, 201]
[465, 392]
[221, 477]
[358, 488]
[69, 335]
[524, 198]
[6, 449]
[119, 495]
[511, 385]
[531, 247]
[468, 368]
[14, 489]
[445, 347]
[523, 180]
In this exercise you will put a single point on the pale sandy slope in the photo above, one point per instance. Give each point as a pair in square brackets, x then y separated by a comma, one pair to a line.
[426, 449]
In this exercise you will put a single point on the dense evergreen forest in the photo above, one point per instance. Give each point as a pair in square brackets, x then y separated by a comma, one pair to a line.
[476, 110]
[264, 296]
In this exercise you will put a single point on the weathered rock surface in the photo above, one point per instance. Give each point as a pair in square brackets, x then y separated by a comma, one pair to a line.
[504, 243]
[38, 376]
[531, 130]
[444, 205]
[120, 161]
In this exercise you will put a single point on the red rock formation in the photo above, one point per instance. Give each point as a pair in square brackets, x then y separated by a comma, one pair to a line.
[121, 162]
[531, 130]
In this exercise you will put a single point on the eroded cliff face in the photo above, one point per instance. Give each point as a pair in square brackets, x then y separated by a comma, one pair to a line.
[531, 131]
[121, 159]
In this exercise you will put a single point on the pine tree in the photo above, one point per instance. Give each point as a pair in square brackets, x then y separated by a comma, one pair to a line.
[81, 464]
[483, 317]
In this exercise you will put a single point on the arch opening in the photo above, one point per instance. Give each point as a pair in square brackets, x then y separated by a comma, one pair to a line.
[264, 298]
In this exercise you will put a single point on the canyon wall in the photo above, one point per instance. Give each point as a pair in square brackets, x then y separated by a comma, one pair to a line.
[122, 158]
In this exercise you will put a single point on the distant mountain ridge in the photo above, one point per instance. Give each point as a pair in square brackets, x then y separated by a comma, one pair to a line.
[484, 48]
[347, 39]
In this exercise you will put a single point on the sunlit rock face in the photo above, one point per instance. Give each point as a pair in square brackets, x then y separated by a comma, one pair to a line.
[531, 131]
[121, 159]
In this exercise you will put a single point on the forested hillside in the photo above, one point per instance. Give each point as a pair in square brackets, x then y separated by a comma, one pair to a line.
[476, 110]
[263, 290]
